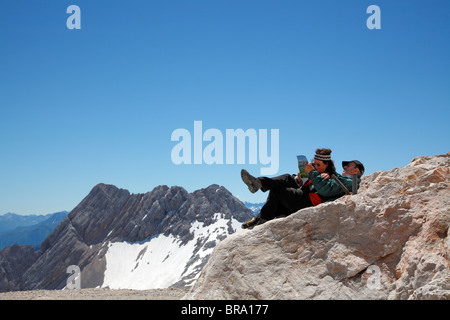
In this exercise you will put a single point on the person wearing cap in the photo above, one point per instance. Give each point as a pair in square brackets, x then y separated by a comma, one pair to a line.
[328, 188]
[353, 167]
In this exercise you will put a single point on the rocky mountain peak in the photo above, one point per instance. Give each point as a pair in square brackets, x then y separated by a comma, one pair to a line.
[168, 219]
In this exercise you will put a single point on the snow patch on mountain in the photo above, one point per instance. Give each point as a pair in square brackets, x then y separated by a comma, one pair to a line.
[164, 260]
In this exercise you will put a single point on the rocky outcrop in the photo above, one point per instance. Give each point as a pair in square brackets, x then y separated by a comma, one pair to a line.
[14, 261]
[111, 215]
[390, 241]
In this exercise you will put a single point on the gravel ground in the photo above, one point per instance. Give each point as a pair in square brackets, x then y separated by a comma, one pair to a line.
[95, 294]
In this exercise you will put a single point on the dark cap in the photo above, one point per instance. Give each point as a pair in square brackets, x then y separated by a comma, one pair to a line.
[358, 164]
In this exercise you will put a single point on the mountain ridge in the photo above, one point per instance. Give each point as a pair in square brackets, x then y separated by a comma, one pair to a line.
[109, 217]
[10, 220]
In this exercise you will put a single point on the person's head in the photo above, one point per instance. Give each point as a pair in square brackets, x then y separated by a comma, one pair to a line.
[322, 161]
[352, 167]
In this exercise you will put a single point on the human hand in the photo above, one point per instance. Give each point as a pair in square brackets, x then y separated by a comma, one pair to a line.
[326, 176]
[299, 179]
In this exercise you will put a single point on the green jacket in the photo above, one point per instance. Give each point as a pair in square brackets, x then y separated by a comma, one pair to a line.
[329, 189]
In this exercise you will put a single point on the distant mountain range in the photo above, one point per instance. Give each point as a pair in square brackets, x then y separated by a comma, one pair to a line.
[33, 229]
[254, 207]
[29, 229]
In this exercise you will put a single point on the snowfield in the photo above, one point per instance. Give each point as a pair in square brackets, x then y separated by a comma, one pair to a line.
[164, 260]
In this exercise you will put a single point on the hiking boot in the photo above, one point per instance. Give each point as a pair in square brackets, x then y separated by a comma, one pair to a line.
[253, 184]
[256, 221]
[250, 223]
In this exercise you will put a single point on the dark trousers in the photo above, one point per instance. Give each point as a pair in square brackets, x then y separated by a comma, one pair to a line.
[285, 196]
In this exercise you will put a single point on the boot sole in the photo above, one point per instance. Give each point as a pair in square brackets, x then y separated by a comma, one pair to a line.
[249, 181]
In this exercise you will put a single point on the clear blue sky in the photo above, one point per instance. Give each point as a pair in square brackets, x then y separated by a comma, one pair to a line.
[80, 107]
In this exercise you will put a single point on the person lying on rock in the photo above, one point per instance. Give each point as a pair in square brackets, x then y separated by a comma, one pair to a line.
[328, 188]
[288, 193]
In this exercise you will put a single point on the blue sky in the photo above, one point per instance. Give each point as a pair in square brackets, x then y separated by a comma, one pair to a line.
[80, 107]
